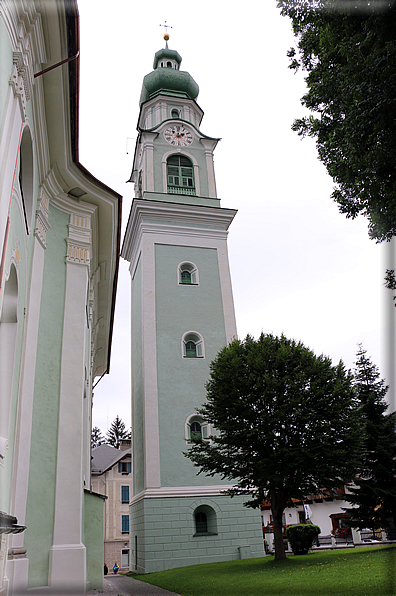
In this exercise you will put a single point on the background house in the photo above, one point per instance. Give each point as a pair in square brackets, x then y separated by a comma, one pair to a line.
[325, 509]
[59, 246]
[111, 476]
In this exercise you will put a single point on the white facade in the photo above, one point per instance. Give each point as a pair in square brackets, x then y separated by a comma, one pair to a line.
[112, 477]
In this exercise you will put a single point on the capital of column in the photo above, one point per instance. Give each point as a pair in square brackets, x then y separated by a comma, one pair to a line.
[79, 242]
[42, 217]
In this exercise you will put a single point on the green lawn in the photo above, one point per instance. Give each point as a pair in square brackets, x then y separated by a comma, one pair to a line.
[362, 571]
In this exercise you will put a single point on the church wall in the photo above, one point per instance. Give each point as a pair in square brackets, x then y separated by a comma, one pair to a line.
[137, 383]
[16, 257]
[181, 381]
[5, 70]
[44, 441]
[169, 541]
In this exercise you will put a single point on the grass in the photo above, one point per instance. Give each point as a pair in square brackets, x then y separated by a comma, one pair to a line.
[361, 571]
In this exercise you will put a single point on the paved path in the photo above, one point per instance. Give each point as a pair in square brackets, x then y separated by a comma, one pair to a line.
[121, 585]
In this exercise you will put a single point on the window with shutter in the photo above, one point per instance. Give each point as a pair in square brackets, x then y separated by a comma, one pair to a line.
[125, 494]
[188, 274]
[125, 524]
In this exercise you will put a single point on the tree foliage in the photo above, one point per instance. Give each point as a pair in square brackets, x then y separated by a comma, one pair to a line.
[348, 50]
[116, 432]
[374, 494]
[286, 423]
[96, 437]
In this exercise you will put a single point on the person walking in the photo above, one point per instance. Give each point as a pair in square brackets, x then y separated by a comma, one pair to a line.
[105, 569]
[116, 567]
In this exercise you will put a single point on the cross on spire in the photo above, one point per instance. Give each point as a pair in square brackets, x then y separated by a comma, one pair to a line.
[166, 27]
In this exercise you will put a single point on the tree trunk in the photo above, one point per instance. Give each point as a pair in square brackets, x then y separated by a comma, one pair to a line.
[277, 511]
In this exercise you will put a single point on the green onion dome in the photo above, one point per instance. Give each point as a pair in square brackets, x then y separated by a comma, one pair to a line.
[167, 79]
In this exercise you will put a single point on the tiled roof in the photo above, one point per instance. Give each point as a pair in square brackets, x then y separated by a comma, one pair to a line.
[105, 457]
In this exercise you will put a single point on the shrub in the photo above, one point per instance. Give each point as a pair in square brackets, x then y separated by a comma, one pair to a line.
[301, 537]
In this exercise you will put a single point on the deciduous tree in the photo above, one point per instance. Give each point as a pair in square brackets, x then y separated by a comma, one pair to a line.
[286, 423]
[348, 50]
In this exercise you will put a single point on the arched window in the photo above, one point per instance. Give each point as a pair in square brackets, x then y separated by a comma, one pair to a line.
[180, 175]
[196, 428]
[192, 345]
[191, 349]
[201, 523]
[175, 113]
[185, 277]
[205, 520]
[26, 176]
[187, 274]
[169, 64]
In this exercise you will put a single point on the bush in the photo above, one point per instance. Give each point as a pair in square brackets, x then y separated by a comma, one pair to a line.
[301, 537]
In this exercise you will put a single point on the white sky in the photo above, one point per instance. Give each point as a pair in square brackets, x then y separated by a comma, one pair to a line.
[298, 266]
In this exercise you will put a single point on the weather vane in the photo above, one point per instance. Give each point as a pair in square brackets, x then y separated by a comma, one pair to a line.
[166, 34]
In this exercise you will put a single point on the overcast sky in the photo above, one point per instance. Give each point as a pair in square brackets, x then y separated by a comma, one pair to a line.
[298, 266]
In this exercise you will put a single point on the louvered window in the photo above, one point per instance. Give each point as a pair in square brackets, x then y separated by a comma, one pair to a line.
[125, 524]
[125, 494]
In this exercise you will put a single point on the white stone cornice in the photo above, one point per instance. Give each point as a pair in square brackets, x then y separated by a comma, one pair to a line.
[24, 27]
[181, 491]
[183, 223]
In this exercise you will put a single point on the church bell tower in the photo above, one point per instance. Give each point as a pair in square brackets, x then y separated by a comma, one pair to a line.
[182, 314]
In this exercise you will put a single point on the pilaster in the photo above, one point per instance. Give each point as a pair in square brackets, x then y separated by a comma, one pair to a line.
[17, 566]
[68, 552]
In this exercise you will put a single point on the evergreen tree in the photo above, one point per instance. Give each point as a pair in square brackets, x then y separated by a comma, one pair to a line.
[116, 432]
[374, 493]
[286, 423]
[96, 437]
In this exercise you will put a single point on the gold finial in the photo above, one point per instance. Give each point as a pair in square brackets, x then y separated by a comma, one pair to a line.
[166, 36]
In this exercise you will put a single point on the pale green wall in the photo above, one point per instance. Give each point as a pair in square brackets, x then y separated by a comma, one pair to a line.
[165, 529]
[181, 381]
[137, 382]
[93, 539]
[43, 456]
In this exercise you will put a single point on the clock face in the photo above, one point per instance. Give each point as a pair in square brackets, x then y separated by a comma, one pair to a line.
[178, 136]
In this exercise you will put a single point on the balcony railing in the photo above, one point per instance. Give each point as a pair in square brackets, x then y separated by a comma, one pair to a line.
[181, 190]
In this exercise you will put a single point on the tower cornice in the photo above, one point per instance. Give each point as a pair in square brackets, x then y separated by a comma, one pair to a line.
[154, 217]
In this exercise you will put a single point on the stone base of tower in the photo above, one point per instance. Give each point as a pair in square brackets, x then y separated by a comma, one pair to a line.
[168, 532]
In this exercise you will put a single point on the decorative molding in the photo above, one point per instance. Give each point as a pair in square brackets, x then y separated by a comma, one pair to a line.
[204, 223]
[181, 491]
[42, 216]
[77, 253]
[18, 83]
[79, 242]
